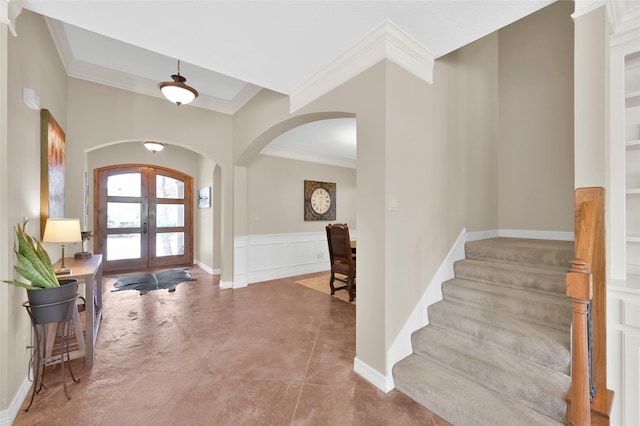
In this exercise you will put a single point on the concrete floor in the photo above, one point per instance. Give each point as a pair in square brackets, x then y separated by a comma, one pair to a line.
[274, 353]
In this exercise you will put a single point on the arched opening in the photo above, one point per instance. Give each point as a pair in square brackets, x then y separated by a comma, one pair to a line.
[205, 221]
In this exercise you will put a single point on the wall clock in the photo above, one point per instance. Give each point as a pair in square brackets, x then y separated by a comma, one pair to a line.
[319, 200]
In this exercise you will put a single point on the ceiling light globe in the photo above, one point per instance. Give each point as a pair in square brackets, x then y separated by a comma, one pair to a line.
[178, 93]
[154, 146]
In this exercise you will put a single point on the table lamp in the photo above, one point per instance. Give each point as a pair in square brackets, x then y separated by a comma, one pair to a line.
[62, 231]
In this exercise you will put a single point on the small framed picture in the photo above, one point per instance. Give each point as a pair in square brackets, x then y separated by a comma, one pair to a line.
[204, 198]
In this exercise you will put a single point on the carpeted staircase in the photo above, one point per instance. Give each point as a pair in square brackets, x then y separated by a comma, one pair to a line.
[497, 347]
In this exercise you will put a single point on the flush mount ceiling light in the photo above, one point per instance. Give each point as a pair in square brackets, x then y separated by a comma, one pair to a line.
[176, 91]
[154, 146]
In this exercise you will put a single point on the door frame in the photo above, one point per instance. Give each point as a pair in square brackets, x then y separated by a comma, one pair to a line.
[148, 197]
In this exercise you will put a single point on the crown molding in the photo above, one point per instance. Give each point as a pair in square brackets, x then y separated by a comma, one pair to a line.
[387, 41]
[622, 18]
[295, 154]
[9, 12]
[132, 83]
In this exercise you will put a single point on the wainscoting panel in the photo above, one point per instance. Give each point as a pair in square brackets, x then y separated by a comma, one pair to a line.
[267, 257]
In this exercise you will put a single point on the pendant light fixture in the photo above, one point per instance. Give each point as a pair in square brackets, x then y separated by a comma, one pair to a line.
[154, 146]
[176, 91]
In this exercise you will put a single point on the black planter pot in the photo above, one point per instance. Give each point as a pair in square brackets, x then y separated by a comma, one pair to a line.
[53, 304]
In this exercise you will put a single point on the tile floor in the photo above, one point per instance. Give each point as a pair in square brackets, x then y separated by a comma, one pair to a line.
[274, 353]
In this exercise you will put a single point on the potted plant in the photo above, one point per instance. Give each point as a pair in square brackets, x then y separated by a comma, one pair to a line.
[46, 293]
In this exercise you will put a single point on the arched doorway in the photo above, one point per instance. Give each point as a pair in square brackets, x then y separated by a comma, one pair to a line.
[143, 217]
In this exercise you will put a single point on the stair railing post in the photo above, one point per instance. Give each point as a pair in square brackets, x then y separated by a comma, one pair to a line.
[580, 290]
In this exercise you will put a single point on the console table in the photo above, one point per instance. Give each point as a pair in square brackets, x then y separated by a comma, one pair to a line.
[89, 272]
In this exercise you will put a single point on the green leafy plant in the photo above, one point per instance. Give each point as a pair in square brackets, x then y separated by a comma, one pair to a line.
[35, 264]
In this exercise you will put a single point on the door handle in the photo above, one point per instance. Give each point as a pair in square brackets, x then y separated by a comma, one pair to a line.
[144, 228]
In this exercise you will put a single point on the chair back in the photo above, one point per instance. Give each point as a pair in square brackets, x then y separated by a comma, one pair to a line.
[339, 244]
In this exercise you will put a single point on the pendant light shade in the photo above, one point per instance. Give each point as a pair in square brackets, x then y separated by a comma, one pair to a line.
[154, 146]
[177, 91]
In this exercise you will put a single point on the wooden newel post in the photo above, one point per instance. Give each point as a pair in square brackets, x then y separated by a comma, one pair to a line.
[580, 290]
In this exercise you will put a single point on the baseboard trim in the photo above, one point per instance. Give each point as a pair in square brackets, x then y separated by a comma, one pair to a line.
[373, 376]
[225, 285]
[8, 415]
[401, 346]
[520, 233]
[207, 269]
[536, 235]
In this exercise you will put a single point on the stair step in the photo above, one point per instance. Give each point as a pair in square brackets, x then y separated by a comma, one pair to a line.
[533, 385]
[522, 251]
[544, 280]
[497, 347]
[531, 341]
[458, 400]
[549, 310]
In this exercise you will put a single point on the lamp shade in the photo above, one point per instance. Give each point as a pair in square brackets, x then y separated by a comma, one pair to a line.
[62, 231]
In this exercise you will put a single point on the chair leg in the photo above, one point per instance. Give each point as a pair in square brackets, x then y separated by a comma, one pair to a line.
[333, 289]
[350, 289]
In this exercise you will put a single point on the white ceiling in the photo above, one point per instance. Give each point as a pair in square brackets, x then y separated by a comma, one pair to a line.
[231, 49]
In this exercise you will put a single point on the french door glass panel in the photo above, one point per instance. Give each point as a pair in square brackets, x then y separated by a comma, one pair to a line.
[123, 215]
[168, 187]
[123, 246]
[169, 215]
[124, 185]
[169, 244]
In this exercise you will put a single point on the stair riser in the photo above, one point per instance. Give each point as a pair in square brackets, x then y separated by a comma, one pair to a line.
[554, 283]
[516, 342]
[498, 371]
[533, 255]
[557, 315]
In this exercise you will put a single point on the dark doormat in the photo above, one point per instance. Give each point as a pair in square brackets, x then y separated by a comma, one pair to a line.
[145, 283]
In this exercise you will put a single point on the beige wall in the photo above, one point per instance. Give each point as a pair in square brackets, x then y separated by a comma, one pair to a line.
[467, 87]
[172, 157]
[207, 221]
[535, 157]
[276, 189]
[472, 150]
[195, 138]
[33, 62]
[591, 100]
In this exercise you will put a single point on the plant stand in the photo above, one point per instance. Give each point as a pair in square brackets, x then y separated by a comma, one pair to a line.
[41, 330]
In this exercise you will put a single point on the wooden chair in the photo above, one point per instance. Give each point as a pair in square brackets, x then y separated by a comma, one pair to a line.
[343, 261]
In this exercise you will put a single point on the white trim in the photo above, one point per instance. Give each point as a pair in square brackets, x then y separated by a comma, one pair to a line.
[387, 41]
[8, 415]
[9, 12]
[209, 270]
[401, 346]
[267, 257]
[583, 7]
[225, 285]
[536, 235]
[373, 376]
[296, 154]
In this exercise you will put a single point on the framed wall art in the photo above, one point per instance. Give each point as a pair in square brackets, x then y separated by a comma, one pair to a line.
[52, 168]
[204, 198]
[319, 200]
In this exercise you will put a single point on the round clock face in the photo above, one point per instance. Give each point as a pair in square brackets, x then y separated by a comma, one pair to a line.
[320, 201]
